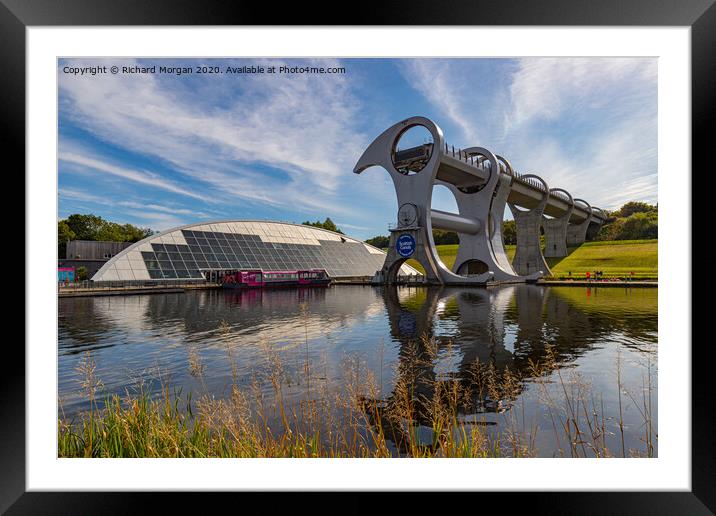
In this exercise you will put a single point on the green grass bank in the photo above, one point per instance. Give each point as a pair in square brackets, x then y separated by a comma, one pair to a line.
[615, 258]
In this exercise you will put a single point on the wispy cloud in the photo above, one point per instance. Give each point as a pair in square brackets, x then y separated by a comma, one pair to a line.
[164, 209]
[588, 125]
[79, 195]
[300, 126]
[158, 221]
[442, 84]
[351, 226]
[169, 149]
[546, 88]
[144, 213]
[143, 177]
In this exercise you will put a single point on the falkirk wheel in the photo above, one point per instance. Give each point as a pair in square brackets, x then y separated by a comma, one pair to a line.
[483, 183]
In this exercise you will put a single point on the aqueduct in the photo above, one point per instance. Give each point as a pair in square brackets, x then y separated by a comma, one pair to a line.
[483, 183]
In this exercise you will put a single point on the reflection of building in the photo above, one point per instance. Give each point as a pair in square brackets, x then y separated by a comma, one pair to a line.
[90, 254]
[198, 251]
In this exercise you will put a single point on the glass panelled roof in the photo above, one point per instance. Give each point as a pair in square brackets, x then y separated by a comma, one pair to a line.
[189, 252]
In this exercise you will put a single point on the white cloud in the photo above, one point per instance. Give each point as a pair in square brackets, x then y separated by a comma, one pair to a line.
[79, 195]
[352, 226]
[142, 204]
[157, 221]
[161, 208]
[443, 85]
[300, 125]
[546, 88]
[588, 125]
[143, 177]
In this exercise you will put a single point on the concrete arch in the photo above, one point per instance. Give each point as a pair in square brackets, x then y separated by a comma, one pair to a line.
[603, 213]
[413, 189]
[487, 205]
[577, 233]
[507, 167]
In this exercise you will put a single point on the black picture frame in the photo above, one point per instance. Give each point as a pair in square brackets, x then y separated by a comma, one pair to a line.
[700, 15]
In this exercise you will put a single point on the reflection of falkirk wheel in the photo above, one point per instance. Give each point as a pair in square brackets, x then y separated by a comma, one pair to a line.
[482, 183]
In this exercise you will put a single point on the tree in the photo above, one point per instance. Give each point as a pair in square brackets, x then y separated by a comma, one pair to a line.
[85, 227]
[509, 232]
[94, 227]
[641, 223]
[441, 237]
[635, 207]
[326, 224]
[64, 235]
[381, 242]
[640, 226]
[81, 273]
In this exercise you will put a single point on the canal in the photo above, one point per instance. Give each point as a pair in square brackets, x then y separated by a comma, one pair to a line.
[560, 371]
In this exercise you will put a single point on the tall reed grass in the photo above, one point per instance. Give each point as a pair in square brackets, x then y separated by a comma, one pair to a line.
[478, 414]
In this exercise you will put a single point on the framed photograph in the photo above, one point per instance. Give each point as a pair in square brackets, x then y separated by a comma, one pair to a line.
[260, 262]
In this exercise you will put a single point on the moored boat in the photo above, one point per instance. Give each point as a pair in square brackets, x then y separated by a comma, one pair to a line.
[257, 278]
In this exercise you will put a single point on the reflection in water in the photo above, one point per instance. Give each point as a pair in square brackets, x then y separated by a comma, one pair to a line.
[515, 333]
[424, 341]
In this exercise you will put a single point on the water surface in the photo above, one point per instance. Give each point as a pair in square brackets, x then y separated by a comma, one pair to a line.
[201, 341]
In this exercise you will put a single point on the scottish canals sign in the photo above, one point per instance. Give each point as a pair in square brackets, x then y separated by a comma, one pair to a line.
[405, 245]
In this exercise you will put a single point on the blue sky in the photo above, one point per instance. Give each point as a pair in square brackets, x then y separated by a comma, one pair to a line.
[160, 150]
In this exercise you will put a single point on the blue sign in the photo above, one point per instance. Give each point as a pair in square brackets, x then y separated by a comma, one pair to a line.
[405, 245]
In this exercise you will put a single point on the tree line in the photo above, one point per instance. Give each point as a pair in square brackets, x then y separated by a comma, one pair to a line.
[326, 224]
[94, 227]
[633, 221]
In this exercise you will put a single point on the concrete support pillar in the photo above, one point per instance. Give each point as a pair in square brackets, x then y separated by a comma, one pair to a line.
[528, 256]
[555, 230]
[577, 233]
[595, 227]
[485, 247]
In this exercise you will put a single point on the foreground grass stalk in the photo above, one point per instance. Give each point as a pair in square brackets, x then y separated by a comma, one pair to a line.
[426, 415]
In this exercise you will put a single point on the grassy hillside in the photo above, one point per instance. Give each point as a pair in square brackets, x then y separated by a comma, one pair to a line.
[614, 258]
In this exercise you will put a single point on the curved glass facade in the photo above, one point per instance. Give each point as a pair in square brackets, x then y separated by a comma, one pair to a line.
[188, 252]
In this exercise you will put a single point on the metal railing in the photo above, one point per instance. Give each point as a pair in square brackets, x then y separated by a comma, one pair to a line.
[482, 163]
[530, 181]
[460, 154]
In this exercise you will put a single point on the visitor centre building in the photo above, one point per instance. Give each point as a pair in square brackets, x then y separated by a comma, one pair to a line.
[199, 251]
